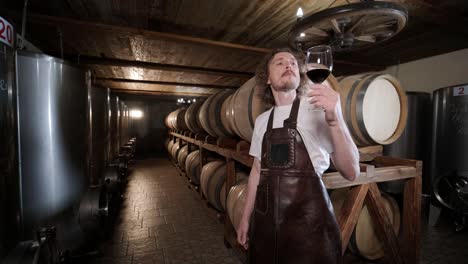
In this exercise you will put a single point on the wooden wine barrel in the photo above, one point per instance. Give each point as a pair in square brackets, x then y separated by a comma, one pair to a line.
[173, 117]
[236, 199]
[210, 114]
[192, 166]
[175, 151]
[182, 156]
[240, 176]
[364, 240]
[243, 108]
[169, 146]
[180, 119]
[191, 117]
[212, 181]
[174, 148]
[374, 108]
[167, 142]
[226, 116]
[166, 121]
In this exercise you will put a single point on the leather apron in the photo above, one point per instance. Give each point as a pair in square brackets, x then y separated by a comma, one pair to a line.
[293, 220]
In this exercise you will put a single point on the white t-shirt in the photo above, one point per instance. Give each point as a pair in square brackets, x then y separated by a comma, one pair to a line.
[311, 125]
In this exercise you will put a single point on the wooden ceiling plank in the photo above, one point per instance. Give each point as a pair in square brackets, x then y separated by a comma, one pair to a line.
[168, 83]
[86, 26]
[148, 92]
[159, 66]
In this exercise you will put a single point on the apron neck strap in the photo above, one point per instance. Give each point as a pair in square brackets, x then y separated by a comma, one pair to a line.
[291, 122]
[270, 119]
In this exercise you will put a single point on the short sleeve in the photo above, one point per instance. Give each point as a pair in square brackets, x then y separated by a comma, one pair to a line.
[256, 143]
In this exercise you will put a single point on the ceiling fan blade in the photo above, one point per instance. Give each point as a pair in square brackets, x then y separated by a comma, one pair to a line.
[316, 31]
[366, 38]
[335, 26]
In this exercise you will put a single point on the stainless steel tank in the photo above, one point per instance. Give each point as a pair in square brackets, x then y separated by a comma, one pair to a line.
[450, 131]
[97, 112]
[414, 142]
[52, 137]
[114, 126]
[449, 159]
[108, 137]
[9, 184]
[123, 124]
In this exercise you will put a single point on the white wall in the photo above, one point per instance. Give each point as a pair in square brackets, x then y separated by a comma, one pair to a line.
[429, 74]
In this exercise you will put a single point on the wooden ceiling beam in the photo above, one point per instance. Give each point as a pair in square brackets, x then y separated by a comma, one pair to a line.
[89, 60]
[92, 26]
[167, 83]
[85, 26]
[158, 93]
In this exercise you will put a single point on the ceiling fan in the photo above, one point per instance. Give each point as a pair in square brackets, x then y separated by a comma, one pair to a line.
[349, 27]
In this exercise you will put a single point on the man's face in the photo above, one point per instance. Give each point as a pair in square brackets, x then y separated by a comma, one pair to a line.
[283, 72]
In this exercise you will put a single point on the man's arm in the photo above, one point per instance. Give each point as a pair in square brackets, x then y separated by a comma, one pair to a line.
[243, 228]
[345, 156]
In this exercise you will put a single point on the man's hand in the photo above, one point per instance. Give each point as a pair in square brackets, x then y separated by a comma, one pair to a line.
[242, 234]
[323, 96]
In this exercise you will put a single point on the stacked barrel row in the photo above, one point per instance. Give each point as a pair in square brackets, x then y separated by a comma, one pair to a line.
[374, 109]
[227, 113]
[211, 178]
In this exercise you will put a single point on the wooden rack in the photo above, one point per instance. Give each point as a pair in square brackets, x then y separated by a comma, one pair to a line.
[374, 168]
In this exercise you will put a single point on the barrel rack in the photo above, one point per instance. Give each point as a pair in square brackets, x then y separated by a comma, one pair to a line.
[403, 248]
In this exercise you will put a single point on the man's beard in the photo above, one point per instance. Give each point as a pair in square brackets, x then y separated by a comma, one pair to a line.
[287, 86]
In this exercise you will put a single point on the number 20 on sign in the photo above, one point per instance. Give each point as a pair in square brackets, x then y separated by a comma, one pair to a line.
[6, 32]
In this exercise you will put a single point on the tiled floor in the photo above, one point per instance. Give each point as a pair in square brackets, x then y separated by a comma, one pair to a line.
[162, 221]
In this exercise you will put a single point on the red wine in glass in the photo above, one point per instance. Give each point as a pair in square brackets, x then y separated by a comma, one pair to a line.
[319, 64]
[318, 75]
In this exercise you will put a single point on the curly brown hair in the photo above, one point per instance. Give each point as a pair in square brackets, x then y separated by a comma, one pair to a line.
[262, 72]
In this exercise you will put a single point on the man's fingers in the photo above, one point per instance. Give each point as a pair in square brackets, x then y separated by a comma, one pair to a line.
[318, 87]
[242, 240]
[316, 98]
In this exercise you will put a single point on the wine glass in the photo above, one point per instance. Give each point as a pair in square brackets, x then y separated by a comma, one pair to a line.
[318, 64]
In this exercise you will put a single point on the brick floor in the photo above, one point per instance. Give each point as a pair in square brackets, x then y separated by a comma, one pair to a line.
[162, 221]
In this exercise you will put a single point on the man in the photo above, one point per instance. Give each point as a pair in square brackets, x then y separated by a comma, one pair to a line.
[293, 221]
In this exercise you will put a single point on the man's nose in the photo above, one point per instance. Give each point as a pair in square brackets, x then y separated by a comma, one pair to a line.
[289, 65]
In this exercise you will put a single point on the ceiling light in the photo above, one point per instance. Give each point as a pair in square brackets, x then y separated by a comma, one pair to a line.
[299, 12]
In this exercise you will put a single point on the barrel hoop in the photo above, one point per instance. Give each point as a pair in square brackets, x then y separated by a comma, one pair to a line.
[208, 125]
[348, 109]
[232, 115]
[219, 185]
[219, 103]
[249, 105]
[208, 181]
[360, 101]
